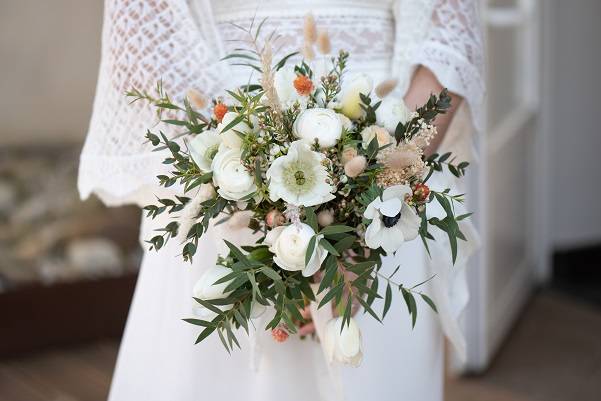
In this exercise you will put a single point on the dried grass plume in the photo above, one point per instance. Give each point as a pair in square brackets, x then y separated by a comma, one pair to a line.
[323, 42]
[310, 29]
[267, 79]
[197, 99]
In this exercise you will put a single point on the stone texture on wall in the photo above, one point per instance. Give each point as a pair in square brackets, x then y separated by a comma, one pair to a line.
[46, 233]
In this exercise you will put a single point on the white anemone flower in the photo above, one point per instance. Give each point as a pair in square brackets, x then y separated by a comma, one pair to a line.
[300, 178]
[393, 221]
[203, 149]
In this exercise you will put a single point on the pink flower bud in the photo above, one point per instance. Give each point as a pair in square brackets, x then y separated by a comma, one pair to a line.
[355, 166]
[274, 218]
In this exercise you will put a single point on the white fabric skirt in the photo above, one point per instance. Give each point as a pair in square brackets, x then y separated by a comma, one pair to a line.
[158, 360]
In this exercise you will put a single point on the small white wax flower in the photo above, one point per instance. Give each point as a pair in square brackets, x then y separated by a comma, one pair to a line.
[393, 221]
[232, 180]
[321, 124]
[343, 343]
[203, 148]
[206, 289]
[391, 112]
[231, 137]
[289, 245]
[299, 178]
[350, 99]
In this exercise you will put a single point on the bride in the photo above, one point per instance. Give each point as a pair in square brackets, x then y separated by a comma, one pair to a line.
[424, 44]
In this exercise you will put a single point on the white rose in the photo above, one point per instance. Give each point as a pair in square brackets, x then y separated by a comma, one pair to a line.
[203, 148]
[391, 112]
[289, 245]
[374, 131]
[206, 289]
[343, 346]
[321, 124]
[230, 177]
[231, 138]
[350, 101]
[283, 81]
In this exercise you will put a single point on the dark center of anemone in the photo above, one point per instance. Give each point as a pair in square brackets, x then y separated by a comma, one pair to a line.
[299, 176]
[391, 221]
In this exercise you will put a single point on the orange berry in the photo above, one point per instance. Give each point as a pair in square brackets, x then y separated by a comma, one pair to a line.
[303, 85]
[279, 334]
[219, 111]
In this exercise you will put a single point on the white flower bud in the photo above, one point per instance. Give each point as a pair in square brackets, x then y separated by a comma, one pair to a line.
[343, 343]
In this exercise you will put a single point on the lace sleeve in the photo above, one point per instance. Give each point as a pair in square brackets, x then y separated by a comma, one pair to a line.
[453, 51]
[143, 41]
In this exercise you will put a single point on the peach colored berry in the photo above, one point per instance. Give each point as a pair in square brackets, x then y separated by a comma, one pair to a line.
[303, 85]
[219, 111]
[279, 334]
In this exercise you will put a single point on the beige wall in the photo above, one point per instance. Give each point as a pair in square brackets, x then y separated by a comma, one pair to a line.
[49, 52]
[575, 137]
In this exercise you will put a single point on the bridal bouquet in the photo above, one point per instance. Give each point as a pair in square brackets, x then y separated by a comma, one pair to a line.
[326, 170]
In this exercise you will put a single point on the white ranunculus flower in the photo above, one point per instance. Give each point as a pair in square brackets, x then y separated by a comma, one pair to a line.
[343, 346]
[346, 122]
[350, 101]
[321, 124]
[232, 180]
[203, 148]
[392, 220]
[391, 112]
[283, 81]
[231, 137]
[206, 289]
[289, 245]
[299, 177]
[375, 131]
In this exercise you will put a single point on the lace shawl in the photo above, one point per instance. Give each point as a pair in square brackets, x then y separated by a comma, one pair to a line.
[176, 41]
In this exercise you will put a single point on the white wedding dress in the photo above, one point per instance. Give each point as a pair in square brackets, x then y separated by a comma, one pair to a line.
[181, 43]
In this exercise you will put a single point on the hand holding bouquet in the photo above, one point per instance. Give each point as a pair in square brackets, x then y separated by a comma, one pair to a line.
[331, 176]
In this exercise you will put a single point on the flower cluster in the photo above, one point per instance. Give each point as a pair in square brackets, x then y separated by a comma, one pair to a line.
[331, 171]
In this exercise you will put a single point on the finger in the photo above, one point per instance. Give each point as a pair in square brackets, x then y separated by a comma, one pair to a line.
[307, 329]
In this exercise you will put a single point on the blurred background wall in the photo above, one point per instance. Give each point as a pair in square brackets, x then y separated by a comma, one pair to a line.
[574, 80]
[49, 53]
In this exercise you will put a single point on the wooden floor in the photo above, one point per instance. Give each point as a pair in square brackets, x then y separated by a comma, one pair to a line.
[553, 354]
